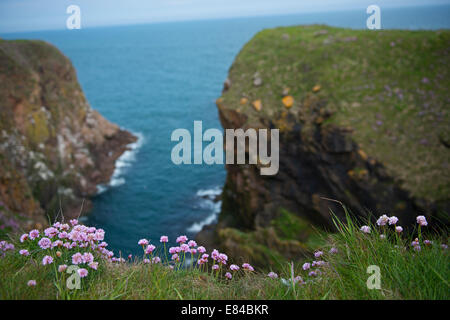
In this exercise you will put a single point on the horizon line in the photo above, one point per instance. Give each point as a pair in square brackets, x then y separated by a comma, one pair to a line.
[213, 19]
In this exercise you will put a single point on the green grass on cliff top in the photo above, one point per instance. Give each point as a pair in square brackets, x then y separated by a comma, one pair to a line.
[390, 86]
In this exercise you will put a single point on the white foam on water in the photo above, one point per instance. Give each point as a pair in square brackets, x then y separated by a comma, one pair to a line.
[123, 162]
[207, 202]
[209, 193]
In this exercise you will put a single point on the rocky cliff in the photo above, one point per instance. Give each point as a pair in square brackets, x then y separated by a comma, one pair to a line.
[363, 119]
[54, 148]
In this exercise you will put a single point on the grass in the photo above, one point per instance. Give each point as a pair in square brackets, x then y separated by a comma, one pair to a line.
[404, 273]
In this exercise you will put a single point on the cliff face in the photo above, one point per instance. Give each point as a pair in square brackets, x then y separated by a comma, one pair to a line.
[54, 148]
[362, 118]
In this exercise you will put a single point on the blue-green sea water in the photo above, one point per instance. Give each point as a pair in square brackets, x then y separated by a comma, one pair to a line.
[152, 79]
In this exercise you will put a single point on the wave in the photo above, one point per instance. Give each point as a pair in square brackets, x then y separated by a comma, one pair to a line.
[209, 193]
[123, 162]
[208, 202]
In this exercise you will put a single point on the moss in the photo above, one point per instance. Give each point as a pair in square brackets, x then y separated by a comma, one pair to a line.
[38, 131]
[290, 226]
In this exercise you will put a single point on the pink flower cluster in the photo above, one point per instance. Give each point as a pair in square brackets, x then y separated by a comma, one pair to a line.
[86, 242]
[4, 247]
[186, 246]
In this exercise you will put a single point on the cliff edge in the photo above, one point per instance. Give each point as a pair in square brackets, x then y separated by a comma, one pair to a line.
[54, 148]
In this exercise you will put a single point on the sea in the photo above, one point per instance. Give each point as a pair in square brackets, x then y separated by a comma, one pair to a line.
[151, 79]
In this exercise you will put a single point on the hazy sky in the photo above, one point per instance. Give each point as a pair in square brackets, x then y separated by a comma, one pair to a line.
[28, 15]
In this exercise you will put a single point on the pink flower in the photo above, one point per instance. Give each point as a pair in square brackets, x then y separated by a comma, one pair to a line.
[298, 280]
[393, 220]
[175, 257]
[365, 229]
[47, 260]
[146, 261]
[164, 239]
[82, 272]
[417, 248]
[222, 258]
[149, 249]
[24, 237]
[318, 254]
[156, 260]
[272, 275]
[201, 249]
[63, 235]
[444, 246]
[306, 266]
[422, 221]
[143, 242]
[31, 283]
[398, 229]
[182, 239]
[24, 252]
[215, 267]
[93, 265]
[427, 242]
[312, 274]
[202, 261]
[51, 232]
[184, 247]
[228, 275]
[99, 235]
[193, 251]
[333, 250]
[77, 258]
[192, 243]
[234, 267]
[247, 267]
[88, 257]
[34, 234]
[215, 254]
[45, 243]
[64, 226]
[57, 243]
[62, 267]
[74, 222]
[173, 250]
[319, 263]
[382, 220]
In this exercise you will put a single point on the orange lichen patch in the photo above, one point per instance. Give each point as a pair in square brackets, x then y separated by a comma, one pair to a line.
[316, 88]
[219, 101]
[288, 101]
[244, 101]
[362, 154]
[358, 173]
[257, 104]
[286, 91]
